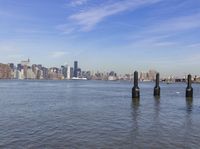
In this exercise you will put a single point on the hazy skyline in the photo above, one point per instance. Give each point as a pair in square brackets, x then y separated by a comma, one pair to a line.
[119, 35]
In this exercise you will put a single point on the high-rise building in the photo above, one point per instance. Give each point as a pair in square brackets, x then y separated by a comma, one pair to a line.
[86, 74]
[5, 71]
[68, 72]
[45, 73]
[39, 74]
[12, 66]
[76, 69]
[25, 67]
[19, 67]
[30, 74]
[64, 71]
[71, 72]
[34, 69]
[78, 72]
[19, 75]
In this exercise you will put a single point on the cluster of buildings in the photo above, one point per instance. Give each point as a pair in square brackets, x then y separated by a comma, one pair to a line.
[148, 76]
[26, 70]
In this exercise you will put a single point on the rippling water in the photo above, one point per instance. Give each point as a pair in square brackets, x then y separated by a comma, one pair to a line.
[96, 114]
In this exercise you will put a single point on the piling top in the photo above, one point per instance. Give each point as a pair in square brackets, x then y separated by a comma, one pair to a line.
[157, 75]
[189, 81]
[135, 79]
[157, 79]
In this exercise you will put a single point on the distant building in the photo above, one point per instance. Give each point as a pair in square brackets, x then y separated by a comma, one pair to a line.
[152, 75]
[19, 67]
[78, 72]
[144, 76]
[39, 66]
[5, 71]
[30, 74]
[53, 73]
[76, 69]
[34, 69]
[12, 66]
[71, 72]
[126, 77]
[68, 72]
[86, 74]
[148, 76]
[64, 71]
[25, 68]
[19, 75]
[45, 73]
[112, 76]
[27, 63]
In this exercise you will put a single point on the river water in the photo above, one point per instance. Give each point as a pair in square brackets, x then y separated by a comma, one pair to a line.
[96, 114]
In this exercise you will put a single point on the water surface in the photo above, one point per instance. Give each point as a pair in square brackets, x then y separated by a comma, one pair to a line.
[96, 114]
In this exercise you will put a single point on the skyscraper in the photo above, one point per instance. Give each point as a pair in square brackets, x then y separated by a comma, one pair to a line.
[75, 69]
[71, 72]
[68, 72]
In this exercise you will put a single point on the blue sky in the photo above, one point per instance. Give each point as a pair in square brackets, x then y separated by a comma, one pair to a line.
[119, 35]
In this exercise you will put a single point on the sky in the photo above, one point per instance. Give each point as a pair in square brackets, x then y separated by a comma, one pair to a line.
[103, 35]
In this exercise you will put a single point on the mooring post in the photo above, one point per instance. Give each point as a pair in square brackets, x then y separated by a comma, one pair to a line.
[135, 89]
[189, 89]
[157, 87]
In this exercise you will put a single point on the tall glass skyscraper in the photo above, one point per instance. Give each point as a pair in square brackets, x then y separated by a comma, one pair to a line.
[76, 69]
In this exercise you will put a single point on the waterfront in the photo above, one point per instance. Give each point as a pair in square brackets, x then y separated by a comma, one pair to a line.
[96, 114]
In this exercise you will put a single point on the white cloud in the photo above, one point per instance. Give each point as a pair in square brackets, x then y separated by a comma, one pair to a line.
[65, 28]
[77, 2]
[58, 54]
[149, 42]
[160, 34]
[87, 19]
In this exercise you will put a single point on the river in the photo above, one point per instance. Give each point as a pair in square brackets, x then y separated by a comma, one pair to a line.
[96, 114]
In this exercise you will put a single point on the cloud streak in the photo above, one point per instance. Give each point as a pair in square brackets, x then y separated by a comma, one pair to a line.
[58, 54]
[65, 28]
[77, 2]
[162, 33]
[89, 18]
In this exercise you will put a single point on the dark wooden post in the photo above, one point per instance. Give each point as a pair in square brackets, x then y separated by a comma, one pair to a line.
[135, 89]
[189, 89]
[157, 87]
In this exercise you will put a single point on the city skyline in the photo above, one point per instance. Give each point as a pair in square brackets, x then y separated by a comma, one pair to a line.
[67, 71]
[25, 70]
[104, 35]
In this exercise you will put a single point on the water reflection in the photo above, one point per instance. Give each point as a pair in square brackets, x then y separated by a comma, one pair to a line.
[156, 120]
[135, 115]
[157, 102]
[188, 122]
[157, 107]
[135, 103]
[135, 109]
[189, 105]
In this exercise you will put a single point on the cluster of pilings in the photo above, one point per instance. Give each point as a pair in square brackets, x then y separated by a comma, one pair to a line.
[156, 92]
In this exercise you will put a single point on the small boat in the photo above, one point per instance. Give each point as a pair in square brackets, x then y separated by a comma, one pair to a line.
[76, 78]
